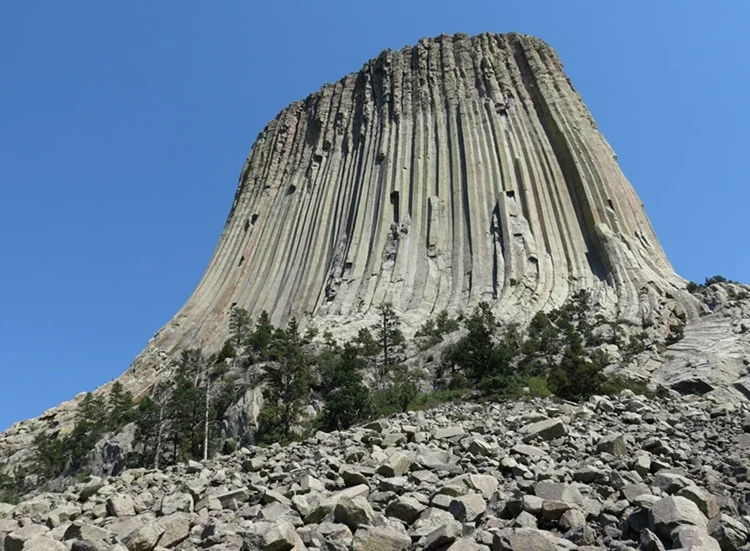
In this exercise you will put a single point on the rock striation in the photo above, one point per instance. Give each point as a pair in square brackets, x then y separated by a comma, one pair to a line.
[460, 170]
[457, 171]
[619, 473]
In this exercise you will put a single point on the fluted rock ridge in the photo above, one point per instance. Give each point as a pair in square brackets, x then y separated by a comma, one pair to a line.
[460, 170]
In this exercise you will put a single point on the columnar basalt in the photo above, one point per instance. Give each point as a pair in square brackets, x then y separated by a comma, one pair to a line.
[457, 171]
[460, 170]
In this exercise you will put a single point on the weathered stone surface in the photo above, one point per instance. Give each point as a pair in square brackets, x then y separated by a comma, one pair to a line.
[405, 508]
[707, 503]
[670, 512]
[282, 537]
[568, 494]
[730, 533]
[43, 543]
[375, 538]
[120, 506]
[523, 539]
[396, 465]
[16, 540]
[177, 502]
[354, 512]
[556, 491]
[144, 538]
[548, 429]
[176, 529]
[467, 508]
[442, 536]
[693, 537]
[613, 444]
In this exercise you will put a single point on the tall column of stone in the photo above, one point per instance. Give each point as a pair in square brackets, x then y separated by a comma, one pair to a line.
[460, 170]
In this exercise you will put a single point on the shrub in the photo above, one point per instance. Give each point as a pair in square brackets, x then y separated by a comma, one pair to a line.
[538, 387]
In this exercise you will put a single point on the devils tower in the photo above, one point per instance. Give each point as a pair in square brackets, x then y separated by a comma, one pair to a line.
[460, 170]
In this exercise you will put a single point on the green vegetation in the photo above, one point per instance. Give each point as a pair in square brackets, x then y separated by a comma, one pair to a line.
[559, 353]
[433, 330]
[556, 354]
[694, 287]
[287, 386]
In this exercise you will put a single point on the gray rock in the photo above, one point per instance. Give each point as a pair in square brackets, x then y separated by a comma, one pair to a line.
[178, 502]
[670, 512]
[120, 505]
[613, 444]
[707, 503]
[376, 538]
[572, 518]
[281, 537]
[480, 447]
[442, 536]
[525, 520]
[16, 540]
[548, 429]
[81, 530]
[176, 529]
[405, 508]
[354, 512]
[431, 519]
[693, 537]
[144, 538]
[467, 508]
[669, 482]
[43, 543]
[396, 465]
[730, 533]
[523, 539]
[556, 491]
[448, 433]
[650, 541]
[467, 544]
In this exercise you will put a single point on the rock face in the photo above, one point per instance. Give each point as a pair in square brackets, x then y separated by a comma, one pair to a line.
[446, 497]
[460, 170]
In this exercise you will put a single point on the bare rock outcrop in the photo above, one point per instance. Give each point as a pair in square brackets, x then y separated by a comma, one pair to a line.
[459, 170]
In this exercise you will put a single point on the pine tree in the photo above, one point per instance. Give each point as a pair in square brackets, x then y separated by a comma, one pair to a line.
[390, 338]
[262, 336]
[120, 406]
[287, 386]
[239, 327]
[184, 411]
[347, 400]
[90, 424]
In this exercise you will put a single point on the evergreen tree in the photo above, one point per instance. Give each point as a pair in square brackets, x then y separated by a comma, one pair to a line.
[367, 344]
[120, 406]
[50, 456]
[184, 410]
[148, 433]
[90, 424]
[347, 400]
[287, 386]
[389, 334]
[262, 336]
[239, 328]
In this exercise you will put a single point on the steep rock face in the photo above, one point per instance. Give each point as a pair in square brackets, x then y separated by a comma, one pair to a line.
[460, 170]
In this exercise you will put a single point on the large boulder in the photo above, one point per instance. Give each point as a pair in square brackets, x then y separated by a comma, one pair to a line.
[549, 429]
[670, 512]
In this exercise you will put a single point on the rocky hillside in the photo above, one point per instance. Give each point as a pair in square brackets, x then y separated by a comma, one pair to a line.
[456, 171]
[464, 180]
[622, 473]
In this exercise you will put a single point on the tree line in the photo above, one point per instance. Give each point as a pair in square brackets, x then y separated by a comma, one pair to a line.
[351, 382]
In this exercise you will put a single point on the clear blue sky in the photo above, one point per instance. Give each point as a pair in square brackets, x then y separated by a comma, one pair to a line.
[124, 125]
